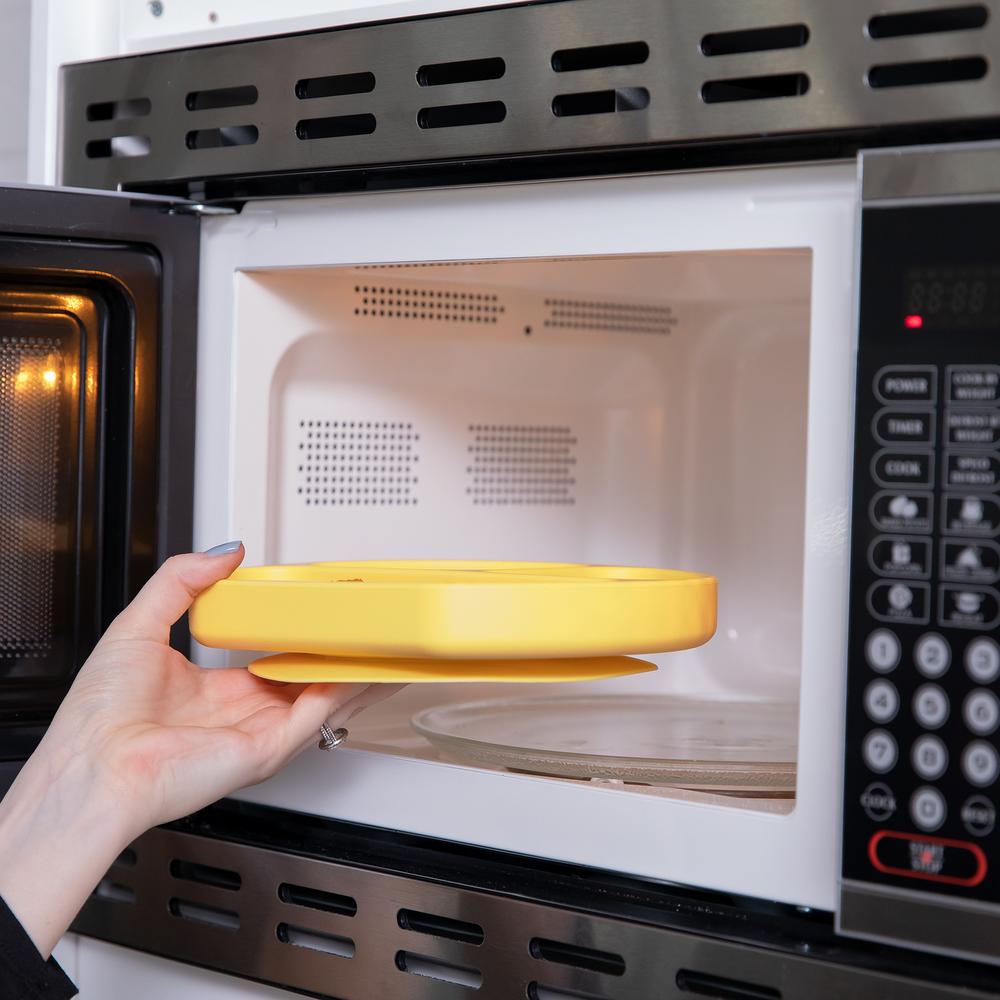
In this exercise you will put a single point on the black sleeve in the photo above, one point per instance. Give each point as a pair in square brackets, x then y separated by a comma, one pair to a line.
[23, 973]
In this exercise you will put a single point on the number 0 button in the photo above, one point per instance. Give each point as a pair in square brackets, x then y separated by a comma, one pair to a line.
[930, 706]
[927, 808]
[880, 751]
[882, 650]
[881, 701]
[981, 712]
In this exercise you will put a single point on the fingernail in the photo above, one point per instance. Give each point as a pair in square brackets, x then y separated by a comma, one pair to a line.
[225, 549]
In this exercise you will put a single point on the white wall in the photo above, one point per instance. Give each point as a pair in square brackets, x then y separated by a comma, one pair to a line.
[14, 19]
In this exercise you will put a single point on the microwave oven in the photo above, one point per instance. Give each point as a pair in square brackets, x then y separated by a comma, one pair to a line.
[728, 279]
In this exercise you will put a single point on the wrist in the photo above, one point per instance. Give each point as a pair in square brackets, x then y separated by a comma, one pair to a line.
[59, 832]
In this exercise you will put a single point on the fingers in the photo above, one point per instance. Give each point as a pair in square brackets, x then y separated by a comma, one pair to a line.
[170, 591]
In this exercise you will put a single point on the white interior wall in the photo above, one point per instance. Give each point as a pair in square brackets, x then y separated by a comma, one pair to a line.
[15, 16]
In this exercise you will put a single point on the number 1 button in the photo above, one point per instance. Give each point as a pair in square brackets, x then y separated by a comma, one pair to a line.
[882, 650]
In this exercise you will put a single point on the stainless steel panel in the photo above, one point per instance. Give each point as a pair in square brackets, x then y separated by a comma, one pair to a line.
[836, 60]
[640, 961]
[949, 172]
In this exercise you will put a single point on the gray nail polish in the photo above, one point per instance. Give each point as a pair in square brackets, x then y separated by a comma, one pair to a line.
[225, 549]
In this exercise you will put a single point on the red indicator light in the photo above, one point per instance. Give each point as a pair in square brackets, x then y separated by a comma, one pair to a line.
[913, 322]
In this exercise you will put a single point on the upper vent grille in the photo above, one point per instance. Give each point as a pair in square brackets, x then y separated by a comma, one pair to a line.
[357, 463]
[554, 79]
[521, 464]
[609, 317]
[435, 304]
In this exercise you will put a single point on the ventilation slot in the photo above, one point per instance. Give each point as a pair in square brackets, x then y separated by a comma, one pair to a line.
[704, 985]
[200, 914]
[317, 899]
[431, 968]
[521, 465]
[228, 135]
[600, 102]
[112, 111]
[222, 97]
[118, 146]
[127, 858]
[335, 128]
[600, 56]
[356, 463]
[913, 74]
[467, 71]
[755, 88]
[114, 892]
[455, 115]
[536, 991]
[442, 927]
[220, 878]
[605, 962]
[609, 317]
[730, 43]
[335, 86]
[391, 302]
[328, 944]
[928, 22]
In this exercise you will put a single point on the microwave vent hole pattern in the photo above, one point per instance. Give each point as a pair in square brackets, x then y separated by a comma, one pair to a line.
[29, 495]
[521, 465]
[928, 22]
[359, 463]
[728, 43]
[609, 317]
[433, 304]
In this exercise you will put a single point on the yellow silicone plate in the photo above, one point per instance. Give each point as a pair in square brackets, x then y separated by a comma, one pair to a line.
[457, 610]
[304, 668]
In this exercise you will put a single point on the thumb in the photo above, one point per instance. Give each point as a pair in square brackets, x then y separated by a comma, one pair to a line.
[170, 591]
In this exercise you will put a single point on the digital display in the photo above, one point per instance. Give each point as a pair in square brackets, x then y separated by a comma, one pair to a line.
[951, 298]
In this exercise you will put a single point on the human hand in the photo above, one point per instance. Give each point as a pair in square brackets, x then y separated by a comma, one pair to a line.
[143, 737]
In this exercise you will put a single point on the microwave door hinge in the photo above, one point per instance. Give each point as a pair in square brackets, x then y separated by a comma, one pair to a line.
[200, 209]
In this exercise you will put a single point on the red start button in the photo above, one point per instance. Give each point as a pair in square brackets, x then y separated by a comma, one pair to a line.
[915, 855]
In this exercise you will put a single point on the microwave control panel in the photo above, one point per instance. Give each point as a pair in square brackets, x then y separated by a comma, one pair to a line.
[922, 769]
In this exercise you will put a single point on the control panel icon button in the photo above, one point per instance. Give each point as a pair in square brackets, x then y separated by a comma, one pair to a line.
[878, 801]
[903, 468]
[901, 556]
[930, 706]
[881, 701]
[969, 607]
[880, 751]
[928, 809]
[882, 650]
[973, 384]
[929, 757]
[906, 384]
[982, 659]
[970, 560]
[980, 763]
[968, 428]
[979, 816]
[981, 712]
[971, 515]
[902, 601]
[971, 470]
[932, 655]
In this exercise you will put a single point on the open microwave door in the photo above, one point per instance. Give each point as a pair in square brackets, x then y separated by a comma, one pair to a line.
[97, 331]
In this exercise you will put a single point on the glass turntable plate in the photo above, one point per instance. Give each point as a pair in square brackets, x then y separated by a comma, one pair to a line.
[713, 745]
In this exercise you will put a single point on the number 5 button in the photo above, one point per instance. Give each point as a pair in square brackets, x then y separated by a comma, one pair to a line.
[930, 706]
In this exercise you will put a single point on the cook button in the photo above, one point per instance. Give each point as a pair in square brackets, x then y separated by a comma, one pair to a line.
[906, 384]
[979, 816]
[982, 660]
[969, 607]
[970, 560]
[981, 712]
[929, 758]
[904, 426]
[878, 801]
[974, 384]
[971, 471]
[881, 701]
[969, 428]
[901, 556]
[971, 515]
[980, 763]
[932, 655]
[902, 468]
[898, 601]
[882, 650]
[879, 751]
[930, 706]
[928, 809]
[937, 859]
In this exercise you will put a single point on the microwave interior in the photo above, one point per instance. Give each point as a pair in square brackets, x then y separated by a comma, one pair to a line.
[643, 410]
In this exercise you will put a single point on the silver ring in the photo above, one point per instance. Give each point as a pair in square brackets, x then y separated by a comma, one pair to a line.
[330, 739]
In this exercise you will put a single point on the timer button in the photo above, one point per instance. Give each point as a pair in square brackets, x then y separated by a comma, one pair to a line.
[906, 384]
[974, 383]
[892, 426]
[882, 650]
[982, 659]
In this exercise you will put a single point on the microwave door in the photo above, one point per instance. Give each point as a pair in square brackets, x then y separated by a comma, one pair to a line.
[97, 333]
